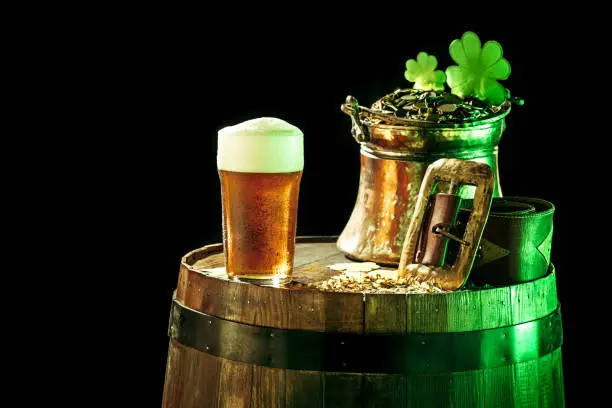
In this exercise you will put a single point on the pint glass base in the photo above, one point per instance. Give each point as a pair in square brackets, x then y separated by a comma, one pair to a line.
[273, 280]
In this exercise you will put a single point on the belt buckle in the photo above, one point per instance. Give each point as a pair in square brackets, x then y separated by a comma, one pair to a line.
[424, 251]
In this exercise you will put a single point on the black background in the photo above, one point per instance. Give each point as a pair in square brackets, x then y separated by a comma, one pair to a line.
[195, 78]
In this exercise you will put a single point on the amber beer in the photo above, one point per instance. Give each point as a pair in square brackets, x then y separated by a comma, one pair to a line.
[260, 166]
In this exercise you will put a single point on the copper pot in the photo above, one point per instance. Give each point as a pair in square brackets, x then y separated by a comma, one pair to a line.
[393, 162]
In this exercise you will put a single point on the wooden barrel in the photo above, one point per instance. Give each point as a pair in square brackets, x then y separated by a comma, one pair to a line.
[234, 344]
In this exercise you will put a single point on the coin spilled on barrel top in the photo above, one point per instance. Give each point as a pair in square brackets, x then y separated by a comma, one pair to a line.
[368, 277]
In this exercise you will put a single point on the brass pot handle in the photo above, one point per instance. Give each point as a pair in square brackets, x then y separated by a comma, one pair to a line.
[351, 108]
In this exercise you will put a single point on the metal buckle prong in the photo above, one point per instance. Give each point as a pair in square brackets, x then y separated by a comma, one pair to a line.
[439, 229]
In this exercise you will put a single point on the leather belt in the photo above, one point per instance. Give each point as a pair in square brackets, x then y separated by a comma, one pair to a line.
[516, 242]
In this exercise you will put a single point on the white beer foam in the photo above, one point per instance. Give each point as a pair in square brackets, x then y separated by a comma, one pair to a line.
[262, 145]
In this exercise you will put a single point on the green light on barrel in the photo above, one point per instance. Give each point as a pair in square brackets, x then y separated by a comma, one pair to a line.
[525, 342]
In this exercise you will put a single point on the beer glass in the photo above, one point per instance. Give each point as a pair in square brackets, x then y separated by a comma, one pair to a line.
[260, 165]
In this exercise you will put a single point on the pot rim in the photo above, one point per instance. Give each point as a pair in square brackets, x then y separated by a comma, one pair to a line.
[414, 124]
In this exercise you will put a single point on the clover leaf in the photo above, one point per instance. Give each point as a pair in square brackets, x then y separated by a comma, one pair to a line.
[478, 69]
[424, 74]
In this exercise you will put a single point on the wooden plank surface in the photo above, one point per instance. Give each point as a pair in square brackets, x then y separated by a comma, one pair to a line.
[496, 311]
[313, 251]
[496, 308]
[316, 269]
[385, 391]
[429, 390]
[427, 313]
[304, 389]
[498, 386]
[545, 381]
[385, 314]
[192, 378]
[342, 390]
[557, 378]
[235, 385]
[526, 384]
[525, 306]
[467, 389]
[268, 387]
[464, 311]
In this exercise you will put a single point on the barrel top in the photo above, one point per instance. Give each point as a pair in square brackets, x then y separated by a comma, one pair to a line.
[204, 286]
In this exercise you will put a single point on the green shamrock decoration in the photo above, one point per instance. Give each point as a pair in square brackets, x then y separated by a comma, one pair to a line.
[478, 69]
[424, 74]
